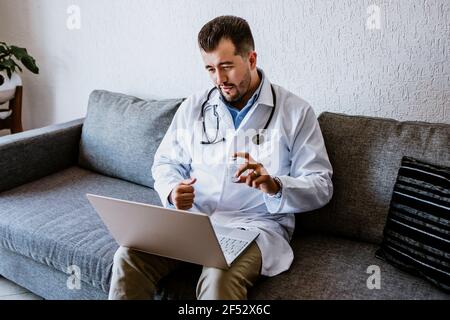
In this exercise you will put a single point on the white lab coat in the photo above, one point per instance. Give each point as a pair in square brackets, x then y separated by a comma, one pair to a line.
[293, 149]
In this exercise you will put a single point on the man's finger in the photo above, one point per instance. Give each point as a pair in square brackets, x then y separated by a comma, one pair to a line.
[184, 207]
[258, 181]
[185, 200]
[244, 155]
[244, 167]
[250, 178]
[185, 196]
[185, 189]
[242, 179]
[188, 182]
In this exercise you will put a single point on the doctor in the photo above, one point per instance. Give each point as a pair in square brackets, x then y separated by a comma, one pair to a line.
[248, 153]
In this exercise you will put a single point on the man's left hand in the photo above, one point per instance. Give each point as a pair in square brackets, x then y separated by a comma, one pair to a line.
[257, 176]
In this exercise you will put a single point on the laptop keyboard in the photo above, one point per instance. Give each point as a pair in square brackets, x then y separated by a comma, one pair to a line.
[231, 247]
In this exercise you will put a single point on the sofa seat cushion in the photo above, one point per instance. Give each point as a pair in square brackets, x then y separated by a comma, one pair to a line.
[51, 221]
[328, 267]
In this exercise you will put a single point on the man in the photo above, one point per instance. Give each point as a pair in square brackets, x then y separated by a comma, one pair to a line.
[284, 168]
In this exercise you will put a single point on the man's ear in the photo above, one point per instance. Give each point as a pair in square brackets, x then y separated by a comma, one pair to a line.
[252, 57]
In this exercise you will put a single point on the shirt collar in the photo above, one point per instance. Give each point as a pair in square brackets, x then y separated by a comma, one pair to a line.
[265, 96]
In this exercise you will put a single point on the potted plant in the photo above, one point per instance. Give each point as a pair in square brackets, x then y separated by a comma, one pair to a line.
[10, 57]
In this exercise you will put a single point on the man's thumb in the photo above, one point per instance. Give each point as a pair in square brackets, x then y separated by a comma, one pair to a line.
[189, 181]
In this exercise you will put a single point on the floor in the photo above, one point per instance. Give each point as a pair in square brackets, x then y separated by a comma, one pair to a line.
[11, 291]
[4, 132]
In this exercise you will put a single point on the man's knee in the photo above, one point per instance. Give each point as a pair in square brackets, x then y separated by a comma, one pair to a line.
[122, 253]
[219, 284]
[218, 277]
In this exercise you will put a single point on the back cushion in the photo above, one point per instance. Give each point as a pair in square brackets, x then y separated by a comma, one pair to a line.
[121, 133]
[366, 154]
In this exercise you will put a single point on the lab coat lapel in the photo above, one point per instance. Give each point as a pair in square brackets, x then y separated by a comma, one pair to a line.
[258, 115]
[256, 118]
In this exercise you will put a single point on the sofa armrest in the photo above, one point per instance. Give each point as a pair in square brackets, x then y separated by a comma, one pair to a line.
[33, 154]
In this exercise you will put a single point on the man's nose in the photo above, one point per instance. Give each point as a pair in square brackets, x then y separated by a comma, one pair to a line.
[221, 78]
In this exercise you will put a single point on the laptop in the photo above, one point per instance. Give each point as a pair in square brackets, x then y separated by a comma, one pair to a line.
[177, 234]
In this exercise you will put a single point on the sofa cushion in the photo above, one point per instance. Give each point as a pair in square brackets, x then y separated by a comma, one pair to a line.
[365, 153]
[51, 221]
[121, 134]
[324, 267]
[44, 281]
[417, 231]
[328, 267]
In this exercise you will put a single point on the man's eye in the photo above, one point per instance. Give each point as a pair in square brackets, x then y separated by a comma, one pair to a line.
[227, 67]
[210, 70]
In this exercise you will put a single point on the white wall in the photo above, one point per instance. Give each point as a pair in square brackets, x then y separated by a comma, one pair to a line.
[319, 49]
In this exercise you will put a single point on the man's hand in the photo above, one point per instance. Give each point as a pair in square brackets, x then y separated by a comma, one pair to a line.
[258, 176]
[182, 196]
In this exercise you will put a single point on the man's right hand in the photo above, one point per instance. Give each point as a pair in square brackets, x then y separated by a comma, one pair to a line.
[182, 196]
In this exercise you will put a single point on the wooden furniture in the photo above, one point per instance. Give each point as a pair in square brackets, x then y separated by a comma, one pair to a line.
[14, 121]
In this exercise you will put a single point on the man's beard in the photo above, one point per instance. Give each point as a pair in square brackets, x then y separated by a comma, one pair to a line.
[245, 83]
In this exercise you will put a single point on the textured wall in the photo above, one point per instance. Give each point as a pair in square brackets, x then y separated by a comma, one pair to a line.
[319, 49]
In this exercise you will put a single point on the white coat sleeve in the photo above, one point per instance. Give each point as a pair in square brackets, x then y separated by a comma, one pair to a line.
[308, 185]
[172, 159]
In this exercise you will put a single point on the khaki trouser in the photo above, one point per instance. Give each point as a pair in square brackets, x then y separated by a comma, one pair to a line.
[136, 274]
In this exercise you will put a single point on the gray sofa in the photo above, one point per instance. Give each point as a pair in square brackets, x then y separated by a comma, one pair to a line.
[47, 224]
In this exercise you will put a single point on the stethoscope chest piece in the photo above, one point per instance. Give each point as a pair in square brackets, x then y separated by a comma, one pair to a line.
[258, 139]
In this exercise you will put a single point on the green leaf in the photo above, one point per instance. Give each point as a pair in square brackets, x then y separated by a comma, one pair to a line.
[8, 63]
[10, 66]
[3, 49]
[9, 53]
[19, 53]
[17, 65]
[30, 64]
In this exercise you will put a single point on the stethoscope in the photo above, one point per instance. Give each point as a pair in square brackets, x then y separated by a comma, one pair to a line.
[257, 139]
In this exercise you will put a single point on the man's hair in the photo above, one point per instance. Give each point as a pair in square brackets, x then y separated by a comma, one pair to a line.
[227, 27]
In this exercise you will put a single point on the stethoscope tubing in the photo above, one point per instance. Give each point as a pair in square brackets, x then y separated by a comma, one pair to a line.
[217, 117]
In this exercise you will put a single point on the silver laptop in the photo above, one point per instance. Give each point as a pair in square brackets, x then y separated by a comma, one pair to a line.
[178, 234]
